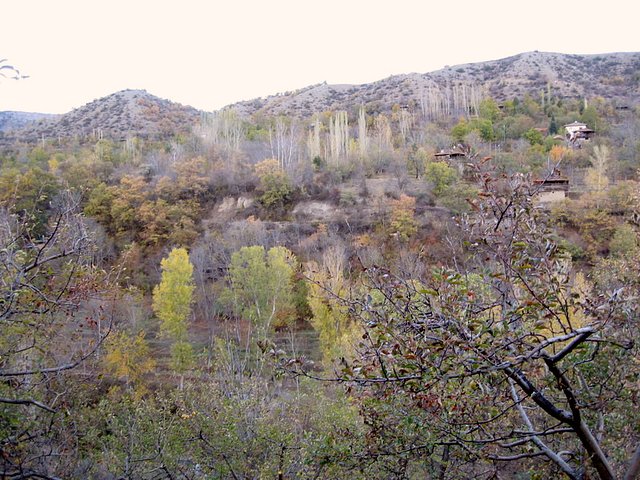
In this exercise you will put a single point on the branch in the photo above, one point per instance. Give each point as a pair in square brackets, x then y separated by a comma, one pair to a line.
[544, 432]
[27, 474]
[584, 333]
[511, 458]
[537, 396]
[360, 381]
[59, 368]
[224, 457]
[553, 456]
[589, 442]
[27, 401]
[502, 214]
[563, 383]
[634, 466]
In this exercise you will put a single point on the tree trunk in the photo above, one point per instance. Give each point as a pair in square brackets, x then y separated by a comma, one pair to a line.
[597, 456]
[634, 466]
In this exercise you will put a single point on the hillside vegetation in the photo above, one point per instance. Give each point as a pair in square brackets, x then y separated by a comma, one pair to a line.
[329, 285]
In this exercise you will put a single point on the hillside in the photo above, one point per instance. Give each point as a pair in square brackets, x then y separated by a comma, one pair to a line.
[615, 76]
[16, 120]
[128, 112]
[449, 91]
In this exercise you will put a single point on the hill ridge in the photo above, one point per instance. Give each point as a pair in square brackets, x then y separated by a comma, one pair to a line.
[612, 75]
[129, 112]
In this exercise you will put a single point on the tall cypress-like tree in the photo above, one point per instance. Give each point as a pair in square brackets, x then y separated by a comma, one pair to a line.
[553, 126]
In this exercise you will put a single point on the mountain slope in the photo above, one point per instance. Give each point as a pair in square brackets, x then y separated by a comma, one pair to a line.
[615, 76]
[128, 112]
[16, 120]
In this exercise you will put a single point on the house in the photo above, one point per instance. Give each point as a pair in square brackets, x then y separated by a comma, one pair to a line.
[577, 133]
[552, 189]
[450, 154]
[454, 157]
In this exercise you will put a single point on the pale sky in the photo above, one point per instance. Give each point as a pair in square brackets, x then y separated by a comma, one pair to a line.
[209, 54]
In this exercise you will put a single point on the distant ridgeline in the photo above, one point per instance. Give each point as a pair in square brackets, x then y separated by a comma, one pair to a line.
[452, 92]
[117, 116]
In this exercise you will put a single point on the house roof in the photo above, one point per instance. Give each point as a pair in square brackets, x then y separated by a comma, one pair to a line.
[576, 124]
[454, 152]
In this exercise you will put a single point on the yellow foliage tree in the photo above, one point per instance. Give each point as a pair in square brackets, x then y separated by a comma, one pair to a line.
[172, 299]
[331, 319]
[128, 357]
[403, 222]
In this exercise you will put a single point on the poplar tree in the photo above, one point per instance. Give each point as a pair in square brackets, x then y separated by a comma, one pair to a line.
[172, 299]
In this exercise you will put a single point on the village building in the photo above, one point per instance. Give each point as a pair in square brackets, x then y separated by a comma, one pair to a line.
[577, 133]
[450, 154]
[453, 157]
[552, 189]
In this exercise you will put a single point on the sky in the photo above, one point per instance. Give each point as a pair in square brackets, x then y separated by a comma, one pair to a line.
[209, 54]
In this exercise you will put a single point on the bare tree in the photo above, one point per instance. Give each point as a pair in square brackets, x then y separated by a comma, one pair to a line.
[338, 136]
[313, 139]
[283, 140]
[363, 140]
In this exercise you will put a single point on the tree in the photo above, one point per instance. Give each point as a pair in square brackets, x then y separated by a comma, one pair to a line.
[624, 241]
[274, 183]
[504, 358]
[28, 194]
[172, 299]
[553, 126]
[128, 357]
[261, 287]
[54, 316]
[338, 136]
[488, 109]
[416, 161]
[441, 175]
[596, 177]
[327, 284]
[460, 130]
[484, 127]
[533, 136]
[283, 140]
[403, 222]
[363, 140]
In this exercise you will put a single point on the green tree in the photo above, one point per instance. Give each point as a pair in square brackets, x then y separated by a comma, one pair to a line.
[553, 126]
[261, 287]
[624, 241]
[460, 130]
[489, 110]
[484, 127]
[330, 318]
[99, 203]
[591, 117]
[274, 183]
[441, 175]
[416, 161]
[172, 299]
[533, 136]
[28, 194]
